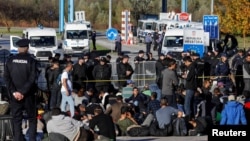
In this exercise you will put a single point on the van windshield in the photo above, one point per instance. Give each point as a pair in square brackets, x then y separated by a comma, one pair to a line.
[77, 34]
[173, 41]
[42, 41]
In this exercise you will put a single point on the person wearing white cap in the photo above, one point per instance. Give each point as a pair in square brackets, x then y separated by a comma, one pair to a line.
[233, 113]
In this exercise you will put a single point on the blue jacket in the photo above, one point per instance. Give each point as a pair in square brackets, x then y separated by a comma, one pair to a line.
[233, 114]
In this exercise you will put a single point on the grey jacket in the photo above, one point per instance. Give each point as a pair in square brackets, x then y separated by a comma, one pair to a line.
[169, 80]
[64, 125]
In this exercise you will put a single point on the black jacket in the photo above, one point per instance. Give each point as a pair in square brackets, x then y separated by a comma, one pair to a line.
[79, 72]
[121, 70]
[191, 77]
[102, 72]
[105, 124]
[21, 73]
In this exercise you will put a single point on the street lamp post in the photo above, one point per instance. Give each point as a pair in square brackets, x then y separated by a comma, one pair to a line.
[212, 7]
[110, 13]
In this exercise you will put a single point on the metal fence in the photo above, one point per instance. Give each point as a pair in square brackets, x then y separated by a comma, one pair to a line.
[144, 73]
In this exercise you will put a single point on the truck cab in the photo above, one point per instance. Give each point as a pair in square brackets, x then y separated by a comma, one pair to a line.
[75, 38]
[43, 42]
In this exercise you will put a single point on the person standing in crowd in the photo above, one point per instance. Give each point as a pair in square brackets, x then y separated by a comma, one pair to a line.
[118, 43]
[102, 74]
[93, 37]
[124, 71]
[215, 58]
[55, 96]
[156, 37]
[138, 60]
[150, 57]
[237, 70]
[160, 41]
[159, 66]
[246, 72]
[79, 74]
[199, 65]
[169, 82]
[222, 71]
[20, 76]
[190, 77]
[66, 89]
[148, 40]
[90, 66]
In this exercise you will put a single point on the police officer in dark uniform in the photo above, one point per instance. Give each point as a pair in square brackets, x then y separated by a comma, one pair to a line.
[222, 71]
[124, 71]
[20, 76]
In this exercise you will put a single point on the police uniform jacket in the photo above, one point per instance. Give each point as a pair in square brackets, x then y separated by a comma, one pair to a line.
[20, 74]
[102, 72]
[121, 70]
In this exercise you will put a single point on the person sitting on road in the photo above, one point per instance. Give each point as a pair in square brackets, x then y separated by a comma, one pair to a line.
[72, 129]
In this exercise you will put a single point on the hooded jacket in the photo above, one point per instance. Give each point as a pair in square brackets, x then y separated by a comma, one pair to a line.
[233, 114]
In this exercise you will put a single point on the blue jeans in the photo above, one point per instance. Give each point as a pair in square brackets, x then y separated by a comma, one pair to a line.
[70, 101]
[188, 102]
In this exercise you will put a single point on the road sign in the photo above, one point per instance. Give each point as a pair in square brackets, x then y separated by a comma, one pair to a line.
[111, 34]
[211, 25]
[184, 16]
[194, 41]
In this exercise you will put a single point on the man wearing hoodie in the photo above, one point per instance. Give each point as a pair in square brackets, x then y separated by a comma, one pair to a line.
[233, 113]
[72, 129]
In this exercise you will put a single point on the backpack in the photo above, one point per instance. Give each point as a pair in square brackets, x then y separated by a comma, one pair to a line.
[58, 79]
[179, 127]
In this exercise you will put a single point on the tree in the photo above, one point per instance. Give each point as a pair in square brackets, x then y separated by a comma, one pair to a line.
[234, 16]
[140, 7]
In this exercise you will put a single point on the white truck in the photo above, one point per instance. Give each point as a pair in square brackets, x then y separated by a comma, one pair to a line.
[144, 27]
[43, 42]
[75, 38]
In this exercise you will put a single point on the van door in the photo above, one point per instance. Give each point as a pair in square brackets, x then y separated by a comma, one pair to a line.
[13, 46]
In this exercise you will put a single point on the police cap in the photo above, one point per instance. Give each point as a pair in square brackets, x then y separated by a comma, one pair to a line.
[141, 51]
[103, 59]
[125, 56]
[23, 43]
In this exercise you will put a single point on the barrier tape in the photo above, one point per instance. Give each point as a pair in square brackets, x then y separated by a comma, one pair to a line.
[115, 80]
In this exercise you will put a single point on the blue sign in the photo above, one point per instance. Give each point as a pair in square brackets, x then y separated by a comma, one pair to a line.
[211, 25]
[194, 48]
[111, 34]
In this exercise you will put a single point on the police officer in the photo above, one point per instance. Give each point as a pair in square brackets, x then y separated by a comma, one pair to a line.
[118, 43]
[148, 40]
[124, 71]
[222, 71]
[20, 76]
[102, 74]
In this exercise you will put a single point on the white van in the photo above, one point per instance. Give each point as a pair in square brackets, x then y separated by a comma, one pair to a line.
[173, 41]
[75, 38]
[43, 42]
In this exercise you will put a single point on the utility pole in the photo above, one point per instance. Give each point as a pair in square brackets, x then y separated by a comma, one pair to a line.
[110, 13]
[164, 6]
[212, 7]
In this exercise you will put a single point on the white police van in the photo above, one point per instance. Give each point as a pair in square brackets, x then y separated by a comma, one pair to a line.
[75, 38]
[173, 41]
[43, 42]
